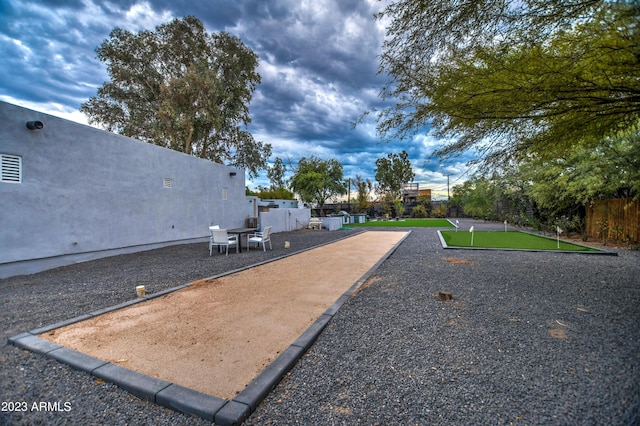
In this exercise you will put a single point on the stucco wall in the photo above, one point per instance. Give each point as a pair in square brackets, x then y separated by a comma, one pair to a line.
[282, 220]
[283, 204]
[86, 193]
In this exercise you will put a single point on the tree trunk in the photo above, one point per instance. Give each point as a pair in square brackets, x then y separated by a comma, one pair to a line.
[187, 144]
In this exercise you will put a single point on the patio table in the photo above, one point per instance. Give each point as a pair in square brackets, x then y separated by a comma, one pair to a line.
[239, 232]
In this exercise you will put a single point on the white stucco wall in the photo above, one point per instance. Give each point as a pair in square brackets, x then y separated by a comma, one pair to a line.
[282, 220]
[87, 193]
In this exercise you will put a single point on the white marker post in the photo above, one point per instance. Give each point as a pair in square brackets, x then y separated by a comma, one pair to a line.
[457, 225]
[505, 226]
[558, 232]
[471, 230]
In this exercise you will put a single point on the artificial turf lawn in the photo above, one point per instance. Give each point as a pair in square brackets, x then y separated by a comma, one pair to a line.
[509, 240]
[408, 223]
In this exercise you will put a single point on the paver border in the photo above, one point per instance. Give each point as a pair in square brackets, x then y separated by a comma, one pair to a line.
[182, 399]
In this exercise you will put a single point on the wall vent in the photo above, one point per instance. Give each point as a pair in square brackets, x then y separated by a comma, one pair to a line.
[11, 168]
[166, 182]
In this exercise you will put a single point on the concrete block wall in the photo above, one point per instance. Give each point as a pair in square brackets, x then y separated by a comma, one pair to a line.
[87, 193]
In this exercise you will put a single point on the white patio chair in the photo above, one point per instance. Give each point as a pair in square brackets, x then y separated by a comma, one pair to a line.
[211, 228]
[260, 238]
[221, 238]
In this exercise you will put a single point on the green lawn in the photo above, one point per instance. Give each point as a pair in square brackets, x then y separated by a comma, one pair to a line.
[408, 223]
[509, 240]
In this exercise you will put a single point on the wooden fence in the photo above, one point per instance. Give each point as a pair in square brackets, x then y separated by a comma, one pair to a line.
[615, 220]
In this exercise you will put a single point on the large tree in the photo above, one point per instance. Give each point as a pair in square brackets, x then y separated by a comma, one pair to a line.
[476, 197]
[584, 175]
[364, 188]
[554, 190]
[392, 172]
[182, 88]
[316, 180]
[512, 77]
[276, 174]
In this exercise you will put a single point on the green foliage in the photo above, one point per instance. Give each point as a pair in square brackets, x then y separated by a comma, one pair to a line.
[316, 180]
[406, 223]
[557, 188]
[272, 194]
[276, 174]
[398, 207]
[386, 204]
[424, 200]
[181, 88]
[439, 211]
[476, 197]
[419, 211]
[392, 172]
[364, 188]
[512, 78]
[610, 171]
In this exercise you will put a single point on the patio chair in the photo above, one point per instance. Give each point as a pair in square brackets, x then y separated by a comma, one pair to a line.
[260, 238]
[211, 228]
[221, 238]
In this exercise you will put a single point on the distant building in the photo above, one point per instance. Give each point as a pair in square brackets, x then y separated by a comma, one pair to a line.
[411, 191]
[425, 193]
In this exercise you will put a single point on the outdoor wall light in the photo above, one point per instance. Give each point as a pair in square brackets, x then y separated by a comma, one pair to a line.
[35, 125]
[232, 173]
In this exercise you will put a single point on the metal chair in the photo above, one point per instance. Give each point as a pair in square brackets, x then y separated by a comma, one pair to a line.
[221, 238]
[211, 228]
[260, 238]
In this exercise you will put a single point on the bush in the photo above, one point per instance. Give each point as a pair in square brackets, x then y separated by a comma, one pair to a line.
[440, 211]
[419, 211]
[271, 194]
[398, 207]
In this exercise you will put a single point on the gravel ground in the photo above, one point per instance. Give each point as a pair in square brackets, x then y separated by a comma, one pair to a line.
[529, 338]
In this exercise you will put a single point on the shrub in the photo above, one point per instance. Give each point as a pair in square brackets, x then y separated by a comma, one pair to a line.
[419, 211]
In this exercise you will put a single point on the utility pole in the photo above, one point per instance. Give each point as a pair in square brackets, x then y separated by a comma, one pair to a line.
[349, 194]
[448, 197]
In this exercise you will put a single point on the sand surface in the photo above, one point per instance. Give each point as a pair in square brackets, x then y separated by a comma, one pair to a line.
[217, 335]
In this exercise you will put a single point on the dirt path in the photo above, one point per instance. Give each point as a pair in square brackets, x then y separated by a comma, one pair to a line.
[216, 336]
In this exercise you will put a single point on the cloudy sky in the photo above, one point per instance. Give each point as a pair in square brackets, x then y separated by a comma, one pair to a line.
[318, 63]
